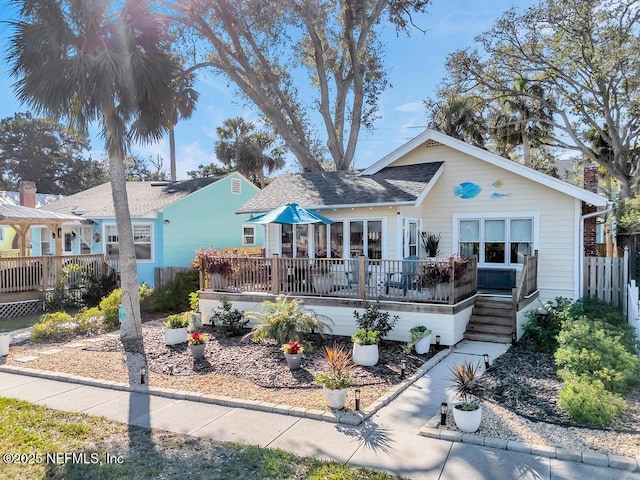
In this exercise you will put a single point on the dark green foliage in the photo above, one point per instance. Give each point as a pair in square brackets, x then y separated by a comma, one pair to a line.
[98, 288]
[174, 297]
[61, 297]
[229, 321]
[589, 402]
[372, 319]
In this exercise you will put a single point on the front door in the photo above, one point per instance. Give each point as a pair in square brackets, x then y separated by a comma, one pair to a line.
[410, 237]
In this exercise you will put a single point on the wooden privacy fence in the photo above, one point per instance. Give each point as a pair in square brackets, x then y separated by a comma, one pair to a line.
[605, 278]
[164, 275]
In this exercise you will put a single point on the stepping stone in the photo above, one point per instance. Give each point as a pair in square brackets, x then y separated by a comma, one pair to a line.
[75, 345]
[96, 340]
[51, 352]
[26, 359]
[113, 335]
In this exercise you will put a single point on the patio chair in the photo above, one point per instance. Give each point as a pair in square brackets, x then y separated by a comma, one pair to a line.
[353, 274]
[407, 279]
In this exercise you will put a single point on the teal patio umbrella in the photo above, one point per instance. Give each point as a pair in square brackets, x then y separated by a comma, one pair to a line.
[290, 214]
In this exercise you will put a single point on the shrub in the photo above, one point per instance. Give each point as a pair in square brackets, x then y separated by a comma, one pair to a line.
[110, 306]
[229, 321]
[177, 320]
[98, 288]
[60, 297]
[592, 348]
[51, 324]
[145, 292]
[589, 402]
[372, 319]
[89, 319]
[174, 297]
[285, 320]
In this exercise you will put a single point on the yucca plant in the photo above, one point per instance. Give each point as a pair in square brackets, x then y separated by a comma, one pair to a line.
[465, 385]
[284, 320]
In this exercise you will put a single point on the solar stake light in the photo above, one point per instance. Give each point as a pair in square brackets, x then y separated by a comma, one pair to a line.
[403, 367]
[357, 393]
[443, 413]
[437, 340]
[486, 360]
[143, 372]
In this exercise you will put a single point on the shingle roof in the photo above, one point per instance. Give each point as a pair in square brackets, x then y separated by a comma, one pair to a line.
[391, 185]
[16, 214]
[144, 197]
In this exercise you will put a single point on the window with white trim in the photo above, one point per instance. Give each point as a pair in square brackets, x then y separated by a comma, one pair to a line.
[365, 238]
[2, 234]
[496, 241]
[248, 235]
[328, 240]
[295, 241]
[142, 237]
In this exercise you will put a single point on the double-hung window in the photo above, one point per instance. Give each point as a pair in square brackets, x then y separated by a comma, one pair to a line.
[142, 240]
[496, 241]
[248, 235]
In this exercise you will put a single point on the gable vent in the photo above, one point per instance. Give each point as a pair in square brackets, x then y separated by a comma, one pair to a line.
[235, 185]
[432, 143]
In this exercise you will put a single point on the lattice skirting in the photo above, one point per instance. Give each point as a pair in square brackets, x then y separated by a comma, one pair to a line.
[19, 309]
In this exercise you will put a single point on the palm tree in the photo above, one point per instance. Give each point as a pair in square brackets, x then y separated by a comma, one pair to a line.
[104, 61]
[459, 118]
[242, 148]
[185, 104]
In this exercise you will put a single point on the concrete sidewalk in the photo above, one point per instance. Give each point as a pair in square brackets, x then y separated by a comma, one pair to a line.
[387, 441]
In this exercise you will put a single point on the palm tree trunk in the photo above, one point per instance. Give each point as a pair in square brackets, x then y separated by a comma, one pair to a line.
[128, 268]
[172, 153]
[526, 145]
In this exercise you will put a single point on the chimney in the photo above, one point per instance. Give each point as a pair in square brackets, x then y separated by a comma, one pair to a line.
[590, 182]
[27, 194]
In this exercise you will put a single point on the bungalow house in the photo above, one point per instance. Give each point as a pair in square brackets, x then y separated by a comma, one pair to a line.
[170, 221]
[478, 203]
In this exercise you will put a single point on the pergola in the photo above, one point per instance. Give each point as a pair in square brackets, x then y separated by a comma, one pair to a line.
[21, 219]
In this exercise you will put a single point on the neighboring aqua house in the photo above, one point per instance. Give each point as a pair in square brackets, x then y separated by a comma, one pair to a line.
[8, 238]
[170, 221]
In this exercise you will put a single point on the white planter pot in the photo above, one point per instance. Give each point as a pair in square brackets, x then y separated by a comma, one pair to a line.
[467, 421]
[174, 336]
[5, 340]
[323, 283]
[195, 321]
[335, 398]
[441, 291]
[423, 345]
[365, 355]
[217, 281]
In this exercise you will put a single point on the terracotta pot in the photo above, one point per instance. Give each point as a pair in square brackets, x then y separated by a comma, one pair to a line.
[335, 398]
[365, 355]
[197, 351]
[174, 336]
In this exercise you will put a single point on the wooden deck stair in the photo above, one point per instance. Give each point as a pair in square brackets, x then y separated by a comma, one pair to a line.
[491, 320]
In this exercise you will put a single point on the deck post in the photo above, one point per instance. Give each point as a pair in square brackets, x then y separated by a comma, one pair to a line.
[275, 274]
[362, 277]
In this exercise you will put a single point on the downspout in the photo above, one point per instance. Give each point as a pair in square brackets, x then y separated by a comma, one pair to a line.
[584, 217]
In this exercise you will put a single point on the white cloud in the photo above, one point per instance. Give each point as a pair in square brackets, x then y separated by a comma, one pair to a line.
[411, 107]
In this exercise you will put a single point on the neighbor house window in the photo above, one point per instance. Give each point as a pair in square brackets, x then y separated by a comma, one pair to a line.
[2, 235]
[68, 242]
[248, 235]
[142, 233]
[496, 241]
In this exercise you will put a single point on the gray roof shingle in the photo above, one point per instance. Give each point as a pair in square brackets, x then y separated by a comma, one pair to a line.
[390, 185]
[144, 197]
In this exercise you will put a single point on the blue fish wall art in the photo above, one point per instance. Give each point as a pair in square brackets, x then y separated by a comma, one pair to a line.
[467, 190]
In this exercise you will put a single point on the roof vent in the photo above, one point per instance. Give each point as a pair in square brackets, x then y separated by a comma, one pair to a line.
[160, 184]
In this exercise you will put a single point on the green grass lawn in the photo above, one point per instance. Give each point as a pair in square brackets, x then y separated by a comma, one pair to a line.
[13, 323]
[57, 445]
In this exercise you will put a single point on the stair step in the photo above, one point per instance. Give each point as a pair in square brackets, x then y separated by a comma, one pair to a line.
[486, 337]
[495, 304]
[492, 312]
[492, 329]
[490, 320]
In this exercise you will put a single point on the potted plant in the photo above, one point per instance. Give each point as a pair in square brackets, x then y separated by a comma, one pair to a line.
[322, 277]
[468, 412]
[376, 324]
[335, 383]
[197, 342]
[420, 340]
[431, 243]
[5, 340]
[175, 331]
[365, 347]
[215, 264]
[293, 354]
[195, 317]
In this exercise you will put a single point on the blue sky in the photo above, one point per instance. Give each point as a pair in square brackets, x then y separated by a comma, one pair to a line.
[416, 66]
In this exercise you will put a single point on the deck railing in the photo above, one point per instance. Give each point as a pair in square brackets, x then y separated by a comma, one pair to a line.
[23, 274]
[430, 281]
